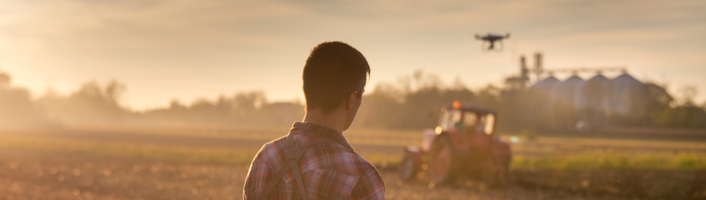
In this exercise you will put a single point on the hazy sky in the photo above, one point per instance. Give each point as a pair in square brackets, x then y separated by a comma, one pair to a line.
[164, 50]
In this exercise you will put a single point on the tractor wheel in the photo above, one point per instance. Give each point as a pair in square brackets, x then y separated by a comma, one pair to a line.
[503, 173]
[442, 161]
[408, 169]
[495, 174]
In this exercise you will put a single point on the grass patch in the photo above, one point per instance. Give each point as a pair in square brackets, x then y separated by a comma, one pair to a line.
[543, 153]
[681, 161]
[165, 153]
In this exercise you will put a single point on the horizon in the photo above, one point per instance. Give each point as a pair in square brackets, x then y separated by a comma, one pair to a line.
[443, 84]
[187, 51]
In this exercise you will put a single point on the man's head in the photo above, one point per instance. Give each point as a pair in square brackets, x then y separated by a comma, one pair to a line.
[334, 77]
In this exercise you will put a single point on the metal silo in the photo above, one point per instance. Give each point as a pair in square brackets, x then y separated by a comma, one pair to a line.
[598, 93]
[572, 90]
[625, 90]
[546, 87]
[547, 84]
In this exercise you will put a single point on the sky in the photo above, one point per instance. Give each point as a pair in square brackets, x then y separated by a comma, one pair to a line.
[186, 50]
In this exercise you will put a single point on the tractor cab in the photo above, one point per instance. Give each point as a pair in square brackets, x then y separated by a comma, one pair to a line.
[465, 126]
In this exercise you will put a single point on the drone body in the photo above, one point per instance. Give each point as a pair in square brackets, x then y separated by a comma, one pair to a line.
[490, 39]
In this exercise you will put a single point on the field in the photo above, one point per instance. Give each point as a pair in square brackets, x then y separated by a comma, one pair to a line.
[212, 164]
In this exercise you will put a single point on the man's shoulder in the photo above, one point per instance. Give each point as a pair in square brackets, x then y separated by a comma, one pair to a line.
[336, 157]
[327, 156]
[271, 153]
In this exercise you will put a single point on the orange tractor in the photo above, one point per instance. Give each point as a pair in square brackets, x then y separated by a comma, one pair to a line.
[463, 144]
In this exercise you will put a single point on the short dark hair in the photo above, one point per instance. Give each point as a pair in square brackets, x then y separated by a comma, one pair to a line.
[332, 72]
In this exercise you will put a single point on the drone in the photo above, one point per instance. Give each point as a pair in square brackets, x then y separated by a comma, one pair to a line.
[490, 39]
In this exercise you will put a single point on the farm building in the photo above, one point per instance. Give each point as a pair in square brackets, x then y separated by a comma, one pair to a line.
[624, 89]
[572, 90]
[597, 97]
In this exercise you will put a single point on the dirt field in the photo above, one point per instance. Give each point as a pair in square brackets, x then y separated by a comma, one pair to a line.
[213, 165]
[25, 175]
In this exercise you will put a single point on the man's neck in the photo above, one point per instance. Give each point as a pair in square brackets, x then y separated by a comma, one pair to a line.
[334, 120]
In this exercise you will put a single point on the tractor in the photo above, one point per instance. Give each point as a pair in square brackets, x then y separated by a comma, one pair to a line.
[464, 143]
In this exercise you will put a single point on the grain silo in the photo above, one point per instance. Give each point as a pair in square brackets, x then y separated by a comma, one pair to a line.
[547, 84]
[598, 93]
[625, 90]
[572, 90]
[546, 87]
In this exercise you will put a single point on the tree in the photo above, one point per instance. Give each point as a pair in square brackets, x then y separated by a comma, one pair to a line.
[688, 93]
[17, 110]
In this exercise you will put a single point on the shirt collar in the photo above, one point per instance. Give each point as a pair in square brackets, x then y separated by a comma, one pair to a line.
[314, 130]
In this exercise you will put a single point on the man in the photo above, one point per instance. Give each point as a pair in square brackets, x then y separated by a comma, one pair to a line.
[334, 78]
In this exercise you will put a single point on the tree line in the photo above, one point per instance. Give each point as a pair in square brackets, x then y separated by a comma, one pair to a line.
[412, 102]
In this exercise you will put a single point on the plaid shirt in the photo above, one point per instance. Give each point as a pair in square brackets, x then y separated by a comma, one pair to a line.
[329, 171]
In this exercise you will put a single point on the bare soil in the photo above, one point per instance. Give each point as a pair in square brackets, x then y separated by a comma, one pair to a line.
[628, 183]
[27, 175]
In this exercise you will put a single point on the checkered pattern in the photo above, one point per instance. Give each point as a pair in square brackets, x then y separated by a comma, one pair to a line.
[329, 170]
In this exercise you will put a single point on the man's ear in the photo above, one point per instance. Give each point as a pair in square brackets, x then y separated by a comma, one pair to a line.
[352, 100]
